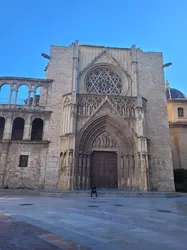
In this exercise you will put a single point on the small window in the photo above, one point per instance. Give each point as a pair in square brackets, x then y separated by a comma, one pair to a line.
[23, 161]
[180, 112]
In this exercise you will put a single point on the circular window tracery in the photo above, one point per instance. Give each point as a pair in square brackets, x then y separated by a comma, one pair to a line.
[103, 81]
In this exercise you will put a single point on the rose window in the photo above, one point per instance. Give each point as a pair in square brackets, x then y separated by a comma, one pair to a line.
[103, 81]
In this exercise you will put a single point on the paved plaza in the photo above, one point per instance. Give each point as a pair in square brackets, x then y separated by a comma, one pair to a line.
[82, 223]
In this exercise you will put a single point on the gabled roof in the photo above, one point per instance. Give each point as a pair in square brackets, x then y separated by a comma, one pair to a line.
[111, 60]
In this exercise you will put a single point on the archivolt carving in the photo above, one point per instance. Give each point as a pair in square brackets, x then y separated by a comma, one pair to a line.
[104, 140]
[103, 81]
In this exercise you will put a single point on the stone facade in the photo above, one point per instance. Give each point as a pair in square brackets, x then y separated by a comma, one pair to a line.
[98, 100]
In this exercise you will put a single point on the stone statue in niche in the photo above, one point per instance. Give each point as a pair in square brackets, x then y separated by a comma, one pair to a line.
[70, 158]
[62, 160]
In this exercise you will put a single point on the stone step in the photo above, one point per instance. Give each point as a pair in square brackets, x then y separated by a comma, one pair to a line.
[86, 193]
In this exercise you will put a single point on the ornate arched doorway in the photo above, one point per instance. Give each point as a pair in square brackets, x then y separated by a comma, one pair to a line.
[104, 162]
[106, 151]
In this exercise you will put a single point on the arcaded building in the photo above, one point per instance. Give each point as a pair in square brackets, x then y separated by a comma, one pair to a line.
[100, 118]
[177, 117]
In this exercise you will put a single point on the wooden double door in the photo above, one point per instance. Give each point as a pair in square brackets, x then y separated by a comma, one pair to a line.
[104, 169]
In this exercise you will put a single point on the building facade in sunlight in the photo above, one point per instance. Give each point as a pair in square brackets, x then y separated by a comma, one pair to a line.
[101, 118]
[177, 117]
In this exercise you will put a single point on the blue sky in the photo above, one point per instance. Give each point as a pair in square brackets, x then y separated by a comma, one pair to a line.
[28, 28]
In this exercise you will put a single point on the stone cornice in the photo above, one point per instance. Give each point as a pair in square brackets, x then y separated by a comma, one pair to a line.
[23, 142]
[178, 124]
[176, 100]
[25, 109]
[14, 78]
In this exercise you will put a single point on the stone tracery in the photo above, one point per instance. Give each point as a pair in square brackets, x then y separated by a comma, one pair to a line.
[103, 81]
[88, 104]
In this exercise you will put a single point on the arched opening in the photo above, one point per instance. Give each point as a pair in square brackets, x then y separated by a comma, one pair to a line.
[106, 154]
[37, 130]
[180, 112]
[22, 95]
[4, 93]
[2, 126]
[40, 96]
[18, 129]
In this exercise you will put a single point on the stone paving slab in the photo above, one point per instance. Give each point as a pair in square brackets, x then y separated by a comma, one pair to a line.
[18, 235]
[109, 223]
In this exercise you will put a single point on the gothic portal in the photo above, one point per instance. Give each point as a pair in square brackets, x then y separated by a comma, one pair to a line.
[102, 119]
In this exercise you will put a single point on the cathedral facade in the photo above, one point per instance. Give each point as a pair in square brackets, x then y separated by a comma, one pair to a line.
[101, 118]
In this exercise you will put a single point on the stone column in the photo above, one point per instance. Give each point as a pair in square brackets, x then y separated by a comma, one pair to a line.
[27, 129]
[121, 181]
[78, 170]
[34, 97]
[45, 136]
[142, 145]
[8, 128]
[10, 96]
[71, 153]
[28, 101]
[84, 171]
[73, 118]
[15, 98]
[88, 172]
[68, 168]
[75, 66]
[134, 65]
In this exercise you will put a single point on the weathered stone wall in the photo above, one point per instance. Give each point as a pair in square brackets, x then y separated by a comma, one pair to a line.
[151, 87]
[60, 70]
[32, 176]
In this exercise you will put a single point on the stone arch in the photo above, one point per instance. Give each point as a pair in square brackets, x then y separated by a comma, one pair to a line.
[18, 128]
[102, 123]
[37, 129]
[126, 150]
[23, 97]
[40, 95]
[5, 93]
